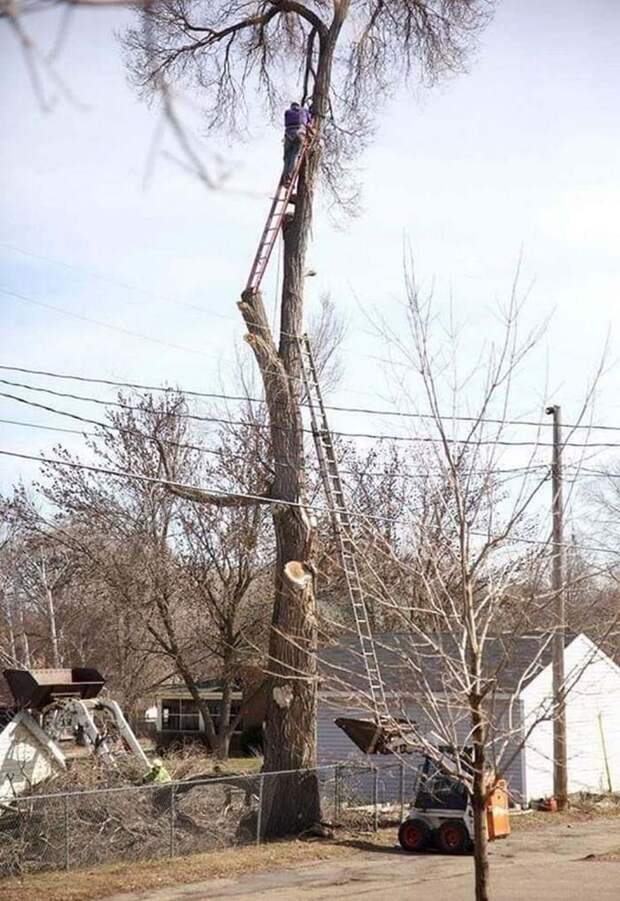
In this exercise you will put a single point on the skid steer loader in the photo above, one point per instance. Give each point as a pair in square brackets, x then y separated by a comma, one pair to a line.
[442, 812]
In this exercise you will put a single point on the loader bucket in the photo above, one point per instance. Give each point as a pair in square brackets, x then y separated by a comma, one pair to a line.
[373, 737]
[36, 688]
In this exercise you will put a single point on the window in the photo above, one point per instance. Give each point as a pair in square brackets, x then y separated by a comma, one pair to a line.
[183, 716]
[179, 715]
[441, 792]
[215, 711]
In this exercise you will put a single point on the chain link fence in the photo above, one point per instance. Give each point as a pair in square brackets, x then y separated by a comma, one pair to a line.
[82, 829]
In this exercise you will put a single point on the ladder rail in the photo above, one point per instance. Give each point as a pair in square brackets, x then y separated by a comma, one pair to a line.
[332, 483]
[273, 224]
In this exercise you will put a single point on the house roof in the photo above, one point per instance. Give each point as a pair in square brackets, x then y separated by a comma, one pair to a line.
[206, 687]
[408, 665]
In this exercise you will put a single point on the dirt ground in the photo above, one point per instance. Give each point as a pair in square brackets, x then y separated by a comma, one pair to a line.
[558, 857]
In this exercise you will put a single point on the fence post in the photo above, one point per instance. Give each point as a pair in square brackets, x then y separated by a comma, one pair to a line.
[66, 814]
[402, 790]
[173, 816]
[259, 817]
[375, 797]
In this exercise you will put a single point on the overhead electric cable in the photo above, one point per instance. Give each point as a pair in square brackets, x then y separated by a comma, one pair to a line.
[160, 341]
[263, 499]
[106, 325]
[371, 411]
[115, 281]
[478, 442]
[406, 474]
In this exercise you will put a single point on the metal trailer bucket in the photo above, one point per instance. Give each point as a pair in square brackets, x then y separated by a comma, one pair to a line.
[373, 737]
[37, 688]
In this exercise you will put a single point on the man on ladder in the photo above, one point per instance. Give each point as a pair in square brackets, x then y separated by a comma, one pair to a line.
[297, 122]
[298, 136]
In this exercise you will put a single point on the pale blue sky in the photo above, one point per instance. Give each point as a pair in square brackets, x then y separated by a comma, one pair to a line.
[522, 152]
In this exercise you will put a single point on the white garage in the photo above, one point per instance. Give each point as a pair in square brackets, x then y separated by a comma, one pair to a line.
[592, 723]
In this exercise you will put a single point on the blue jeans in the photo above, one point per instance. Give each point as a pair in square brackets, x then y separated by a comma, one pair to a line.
[292, 146]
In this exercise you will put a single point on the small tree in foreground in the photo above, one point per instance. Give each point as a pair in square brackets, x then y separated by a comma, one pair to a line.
[480, 622]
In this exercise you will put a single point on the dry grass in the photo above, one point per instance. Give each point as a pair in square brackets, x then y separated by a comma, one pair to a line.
[104, 881]
[582, 809]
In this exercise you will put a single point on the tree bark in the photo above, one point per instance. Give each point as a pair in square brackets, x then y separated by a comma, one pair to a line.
[56, 660]
[292, 802]
[9, 619]
[481, 847]
[222, 749]
[25, 642]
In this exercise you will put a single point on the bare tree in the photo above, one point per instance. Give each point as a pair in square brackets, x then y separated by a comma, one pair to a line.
[44, 77]
[183, 594]
[462, 626]
[347, 53]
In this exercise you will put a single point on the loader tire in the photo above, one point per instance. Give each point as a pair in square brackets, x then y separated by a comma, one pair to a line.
[414, 835]
[452, 837]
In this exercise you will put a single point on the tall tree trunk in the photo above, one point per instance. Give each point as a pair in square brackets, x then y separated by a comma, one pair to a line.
[9, 620]
[51, 612]
[291, 802]
[25, 642]
[222, 749]
[481, 847]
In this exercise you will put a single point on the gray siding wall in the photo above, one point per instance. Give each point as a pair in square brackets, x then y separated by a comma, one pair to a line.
[333, 746]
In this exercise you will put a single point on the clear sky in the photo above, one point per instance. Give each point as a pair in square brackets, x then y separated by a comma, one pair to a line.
[519, 154]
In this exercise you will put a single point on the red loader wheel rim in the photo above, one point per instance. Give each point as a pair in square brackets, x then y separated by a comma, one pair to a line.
[412, 836]
[452, 837]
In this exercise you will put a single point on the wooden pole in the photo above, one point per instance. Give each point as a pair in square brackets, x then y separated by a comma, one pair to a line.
[560, 781]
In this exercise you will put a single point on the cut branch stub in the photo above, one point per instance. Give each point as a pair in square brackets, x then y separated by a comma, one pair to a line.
[300, 574]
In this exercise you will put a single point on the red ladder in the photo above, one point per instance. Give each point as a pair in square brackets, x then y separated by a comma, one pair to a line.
[274, 223]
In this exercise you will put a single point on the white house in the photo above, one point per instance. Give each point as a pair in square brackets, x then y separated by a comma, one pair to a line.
[592, 711]
[27, 756]
[592, 723]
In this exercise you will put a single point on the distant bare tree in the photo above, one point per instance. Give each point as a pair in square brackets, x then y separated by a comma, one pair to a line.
[187, 595]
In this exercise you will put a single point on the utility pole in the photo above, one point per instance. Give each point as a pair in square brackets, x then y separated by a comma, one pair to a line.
[560, 782]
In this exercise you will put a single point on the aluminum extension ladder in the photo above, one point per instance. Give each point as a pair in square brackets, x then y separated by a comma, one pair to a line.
[332, 483]
[274, 222]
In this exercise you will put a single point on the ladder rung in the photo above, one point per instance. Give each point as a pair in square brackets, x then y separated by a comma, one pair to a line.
[334, 491]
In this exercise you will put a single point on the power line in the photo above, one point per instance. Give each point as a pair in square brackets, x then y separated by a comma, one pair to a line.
[137, 385]
[217, 492]
[246, 496]
[147, 293]
[116, 282]
[106, 325]
[370, 411]
[406, 474]
[159, 341]
[478, 442]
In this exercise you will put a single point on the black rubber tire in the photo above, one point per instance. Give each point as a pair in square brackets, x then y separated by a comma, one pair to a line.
[452, 837]
[414, 835]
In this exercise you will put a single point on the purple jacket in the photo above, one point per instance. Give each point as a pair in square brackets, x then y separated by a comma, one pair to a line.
[296, 119]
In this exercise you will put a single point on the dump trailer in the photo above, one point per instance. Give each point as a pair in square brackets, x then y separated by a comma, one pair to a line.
[67, 705]
[36, 689]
